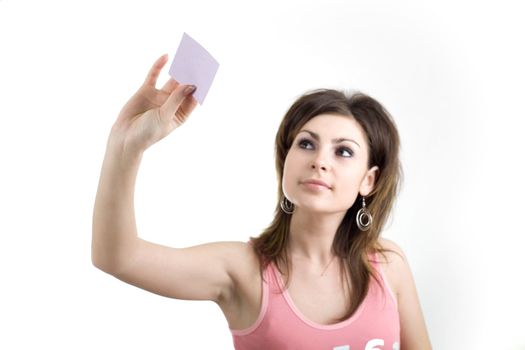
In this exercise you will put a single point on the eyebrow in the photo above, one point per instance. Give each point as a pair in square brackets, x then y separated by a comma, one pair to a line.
[338, 140]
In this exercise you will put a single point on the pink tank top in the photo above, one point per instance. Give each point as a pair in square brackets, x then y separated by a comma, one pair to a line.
[281, 326]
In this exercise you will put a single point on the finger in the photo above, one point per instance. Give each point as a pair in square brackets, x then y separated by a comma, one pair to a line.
[151, 79]
[173, 102]
[170, 85]
[188, 105]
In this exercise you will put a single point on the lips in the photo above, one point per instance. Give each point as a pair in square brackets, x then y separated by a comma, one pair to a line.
[316, 182]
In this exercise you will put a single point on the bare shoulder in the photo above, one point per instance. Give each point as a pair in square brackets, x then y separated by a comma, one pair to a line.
[243, 259]
[395, 266]
[414, 334]
[242, 266]
[395, 253]
[240, 302]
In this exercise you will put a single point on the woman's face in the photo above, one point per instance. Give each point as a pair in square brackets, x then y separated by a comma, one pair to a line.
[319, 152]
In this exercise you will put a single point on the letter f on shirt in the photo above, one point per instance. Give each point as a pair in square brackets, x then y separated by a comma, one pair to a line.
[369, 346]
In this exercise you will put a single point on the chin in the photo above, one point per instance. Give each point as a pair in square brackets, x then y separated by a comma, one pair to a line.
[314, 208]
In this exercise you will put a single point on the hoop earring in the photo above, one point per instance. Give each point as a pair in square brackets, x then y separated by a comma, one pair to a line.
[364, 213]
[287, 206]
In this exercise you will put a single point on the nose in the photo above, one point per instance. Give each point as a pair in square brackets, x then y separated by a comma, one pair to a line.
[319, 162]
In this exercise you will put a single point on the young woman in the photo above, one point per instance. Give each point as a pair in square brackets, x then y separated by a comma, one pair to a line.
[320, 276]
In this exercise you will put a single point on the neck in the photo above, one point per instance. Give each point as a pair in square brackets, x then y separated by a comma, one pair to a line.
[312, 235]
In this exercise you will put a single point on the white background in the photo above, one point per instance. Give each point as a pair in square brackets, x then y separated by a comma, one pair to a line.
[451, 73]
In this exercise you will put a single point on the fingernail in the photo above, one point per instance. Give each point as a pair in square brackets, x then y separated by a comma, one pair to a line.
[189, 89]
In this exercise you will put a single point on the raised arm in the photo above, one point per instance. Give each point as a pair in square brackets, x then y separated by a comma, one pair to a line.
[201, 272]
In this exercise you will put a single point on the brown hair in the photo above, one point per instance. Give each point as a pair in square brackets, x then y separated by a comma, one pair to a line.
[350, 245]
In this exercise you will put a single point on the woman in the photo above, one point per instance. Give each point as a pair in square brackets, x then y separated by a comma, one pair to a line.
[319, 277]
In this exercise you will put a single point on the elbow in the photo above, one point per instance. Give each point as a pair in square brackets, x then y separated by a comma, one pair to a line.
[99, 262]
[106, 265]
[111, 261]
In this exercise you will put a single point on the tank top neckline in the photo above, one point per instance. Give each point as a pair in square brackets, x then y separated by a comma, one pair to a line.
[302, 317]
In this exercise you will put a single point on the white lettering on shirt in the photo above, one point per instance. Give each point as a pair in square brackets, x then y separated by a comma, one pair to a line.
[370, 345]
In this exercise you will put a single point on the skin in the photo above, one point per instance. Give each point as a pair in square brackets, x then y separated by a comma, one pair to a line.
[318, 212]
[343, 166]
[226, 270]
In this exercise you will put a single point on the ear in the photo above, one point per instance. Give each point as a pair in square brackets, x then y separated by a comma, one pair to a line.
[368, 182]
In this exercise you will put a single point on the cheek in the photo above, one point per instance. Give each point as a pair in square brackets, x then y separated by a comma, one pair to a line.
[347, 192]
[293, 163]
[287, 174]
[349, 183]
[299, 161]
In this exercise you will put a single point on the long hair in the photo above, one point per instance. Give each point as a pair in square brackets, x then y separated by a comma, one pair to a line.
[350, 245]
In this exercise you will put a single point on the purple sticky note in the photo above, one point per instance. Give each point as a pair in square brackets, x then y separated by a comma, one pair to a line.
[192, 64]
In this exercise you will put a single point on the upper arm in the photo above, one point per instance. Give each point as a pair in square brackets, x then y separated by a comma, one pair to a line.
[201, 272]
[414, 333]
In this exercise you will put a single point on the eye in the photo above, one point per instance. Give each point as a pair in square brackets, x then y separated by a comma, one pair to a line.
[303, 142]
[347, 150]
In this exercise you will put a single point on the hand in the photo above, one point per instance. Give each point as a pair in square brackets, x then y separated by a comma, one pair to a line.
[152, 114]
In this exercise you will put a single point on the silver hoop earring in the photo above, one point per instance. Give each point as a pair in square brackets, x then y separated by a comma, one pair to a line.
[287, 206]
[364, 218]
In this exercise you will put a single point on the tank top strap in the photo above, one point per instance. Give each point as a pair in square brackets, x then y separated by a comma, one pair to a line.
[385, 285]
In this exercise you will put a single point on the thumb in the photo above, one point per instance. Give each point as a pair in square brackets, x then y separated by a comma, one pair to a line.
[174, 100]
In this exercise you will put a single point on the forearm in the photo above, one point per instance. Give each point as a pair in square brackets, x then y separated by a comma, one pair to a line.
[114, 230]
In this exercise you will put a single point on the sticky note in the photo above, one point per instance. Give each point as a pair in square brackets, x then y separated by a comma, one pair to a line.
[192, 64]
